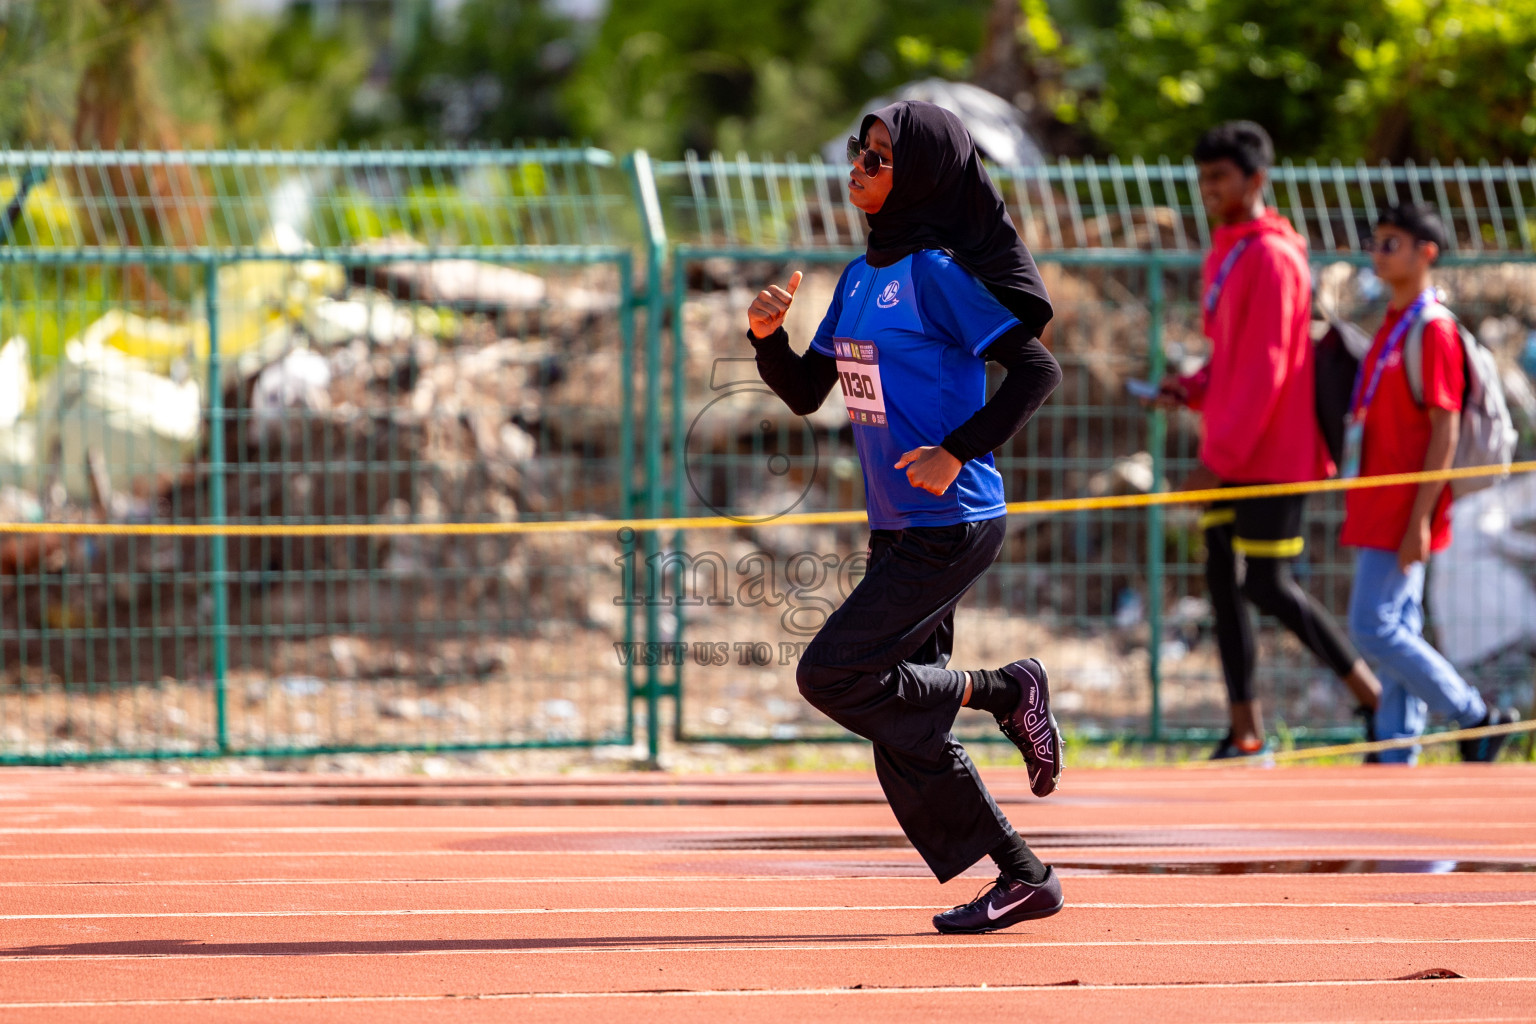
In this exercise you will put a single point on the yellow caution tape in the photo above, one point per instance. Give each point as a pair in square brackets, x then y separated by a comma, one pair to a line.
[1343, 749]
[848, 516]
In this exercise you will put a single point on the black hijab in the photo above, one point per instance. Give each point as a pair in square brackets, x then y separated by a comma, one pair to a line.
[942, 198]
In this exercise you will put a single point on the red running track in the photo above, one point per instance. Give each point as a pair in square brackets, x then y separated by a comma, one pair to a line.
[1290, 895]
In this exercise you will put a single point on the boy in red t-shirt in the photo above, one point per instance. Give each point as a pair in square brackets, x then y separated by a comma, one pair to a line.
[1397, 527]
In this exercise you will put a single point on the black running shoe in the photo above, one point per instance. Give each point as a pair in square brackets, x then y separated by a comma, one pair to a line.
[1487, 748]
[1032, 727]
[1228, 748]
[1006, 902]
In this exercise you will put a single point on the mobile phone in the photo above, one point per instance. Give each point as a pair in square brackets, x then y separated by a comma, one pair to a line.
[1144, 389]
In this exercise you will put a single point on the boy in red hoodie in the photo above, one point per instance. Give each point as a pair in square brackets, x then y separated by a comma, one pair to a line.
[1259, 424]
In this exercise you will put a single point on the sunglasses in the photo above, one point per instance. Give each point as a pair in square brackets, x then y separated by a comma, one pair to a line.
[865, 157]
[1389, 245]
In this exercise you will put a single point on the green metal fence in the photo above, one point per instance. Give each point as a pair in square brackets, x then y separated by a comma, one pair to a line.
[315, 338]
[558, 334]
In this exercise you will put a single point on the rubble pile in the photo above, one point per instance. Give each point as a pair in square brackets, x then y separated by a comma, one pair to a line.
[373, 409]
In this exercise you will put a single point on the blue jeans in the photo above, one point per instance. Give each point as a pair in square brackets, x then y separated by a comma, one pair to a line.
[1386, 621]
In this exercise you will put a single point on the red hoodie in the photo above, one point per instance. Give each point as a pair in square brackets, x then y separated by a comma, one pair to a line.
[1256, 393]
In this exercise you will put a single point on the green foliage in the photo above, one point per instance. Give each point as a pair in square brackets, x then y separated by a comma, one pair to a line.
[282, 83]
[777, 75]
[1340, 79]
[446, 213]
[43, 48]
[49, 308]
[492, 73]
[101, 72]
[1353, 79]
[173, 73]
[361, 219]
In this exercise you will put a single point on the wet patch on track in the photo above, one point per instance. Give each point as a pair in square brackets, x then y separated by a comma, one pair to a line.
[1293, 867]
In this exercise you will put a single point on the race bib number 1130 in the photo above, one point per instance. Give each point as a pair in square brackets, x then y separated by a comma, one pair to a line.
[858, 372]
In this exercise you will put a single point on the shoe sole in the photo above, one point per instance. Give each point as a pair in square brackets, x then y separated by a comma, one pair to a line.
[1056, 762]
[1033, 915]
[1222, 755]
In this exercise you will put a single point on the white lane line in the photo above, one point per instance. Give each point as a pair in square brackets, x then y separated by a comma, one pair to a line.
[896, 852]
[1398, 1020]
[456, 912]
[515, 880]
[1192, 854]
[1196, 986]
[1181, 853]
[723, 803]
[472, 801]
[331, 830]
[1513, 773]
[1203, 790]
[1085, 780]
[611, 911]
[788, 830]
[574, 948]
[361, 801]
[786, 880]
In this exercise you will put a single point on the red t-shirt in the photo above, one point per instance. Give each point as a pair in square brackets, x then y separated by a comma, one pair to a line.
[1397, 438]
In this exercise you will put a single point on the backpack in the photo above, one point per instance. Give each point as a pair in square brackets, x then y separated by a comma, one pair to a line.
[1487, 436]
[1335, 363]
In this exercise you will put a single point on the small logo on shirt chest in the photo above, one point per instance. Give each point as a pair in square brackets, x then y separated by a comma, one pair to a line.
[888, 296]
[1394, 359]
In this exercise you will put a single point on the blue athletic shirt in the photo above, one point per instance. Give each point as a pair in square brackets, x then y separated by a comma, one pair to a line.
[908, 340]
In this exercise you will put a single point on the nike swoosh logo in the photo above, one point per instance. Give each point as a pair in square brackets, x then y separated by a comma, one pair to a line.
[993, 913]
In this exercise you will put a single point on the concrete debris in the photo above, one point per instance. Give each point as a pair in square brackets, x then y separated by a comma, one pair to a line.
[154, 343]
[1130, 475]
[516, 443]
[469, 284]
[18, 436]
[1482, 588]
[15, 382]
[99, 398]
[381, 322]
[298, 382]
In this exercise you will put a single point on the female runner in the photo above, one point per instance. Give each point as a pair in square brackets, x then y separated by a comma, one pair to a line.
[944, 285]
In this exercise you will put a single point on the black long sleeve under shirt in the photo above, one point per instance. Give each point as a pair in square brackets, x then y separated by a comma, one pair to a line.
[804, 381]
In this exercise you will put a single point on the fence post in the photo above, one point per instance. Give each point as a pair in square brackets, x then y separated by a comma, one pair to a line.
[644, 181]
[1156, 439]
[216, 510]
[679, 473]
[626, 470]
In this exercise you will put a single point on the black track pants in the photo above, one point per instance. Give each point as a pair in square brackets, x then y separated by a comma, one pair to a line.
[1266, 532]
[877, 668]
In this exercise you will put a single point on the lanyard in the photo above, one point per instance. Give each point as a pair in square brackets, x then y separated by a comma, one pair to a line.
[1213, 293]
[1358, 402]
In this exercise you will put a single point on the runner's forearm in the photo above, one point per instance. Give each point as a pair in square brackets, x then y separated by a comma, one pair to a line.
[802, 381]
[1032, 375]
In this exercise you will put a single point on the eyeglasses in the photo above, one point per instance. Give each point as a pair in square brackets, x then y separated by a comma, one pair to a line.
[867, 158]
